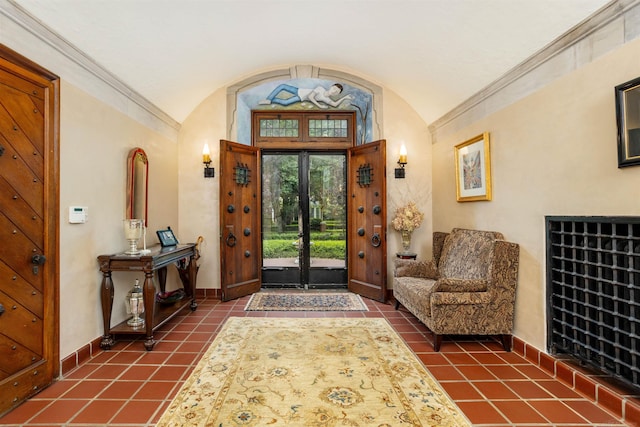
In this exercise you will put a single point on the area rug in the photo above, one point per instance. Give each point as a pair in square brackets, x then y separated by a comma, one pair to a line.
[312, 373]
[305, 301]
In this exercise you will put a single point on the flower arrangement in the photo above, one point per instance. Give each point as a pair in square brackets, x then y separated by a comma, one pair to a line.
[407, 218]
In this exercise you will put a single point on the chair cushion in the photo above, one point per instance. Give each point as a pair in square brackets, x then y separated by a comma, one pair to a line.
[467, 254]
[461, 285]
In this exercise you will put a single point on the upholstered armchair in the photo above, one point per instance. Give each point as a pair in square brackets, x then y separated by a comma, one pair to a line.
[468, 288]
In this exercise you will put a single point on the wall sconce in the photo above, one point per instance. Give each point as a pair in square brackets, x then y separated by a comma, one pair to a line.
[401, 161]
[206, 159]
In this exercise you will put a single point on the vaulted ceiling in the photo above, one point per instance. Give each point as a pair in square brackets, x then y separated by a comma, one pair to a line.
[433, 53]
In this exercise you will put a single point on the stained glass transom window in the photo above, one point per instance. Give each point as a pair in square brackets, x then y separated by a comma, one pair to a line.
[279, 128]
[328, 128]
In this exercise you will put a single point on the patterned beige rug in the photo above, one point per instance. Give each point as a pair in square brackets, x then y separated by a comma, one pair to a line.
[305, 301]
[311, 373]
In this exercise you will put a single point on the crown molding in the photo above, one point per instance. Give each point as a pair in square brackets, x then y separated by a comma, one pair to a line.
[600, 19]
[14, 12]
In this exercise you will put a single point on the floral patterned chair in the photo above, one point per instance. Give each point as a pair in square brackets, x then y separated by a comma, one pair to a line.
[468, 288]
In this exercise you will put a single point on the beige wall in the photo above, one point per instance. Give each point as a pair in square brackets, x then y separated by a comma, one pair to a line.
[552, 153]
[95, 140]
[199, 210]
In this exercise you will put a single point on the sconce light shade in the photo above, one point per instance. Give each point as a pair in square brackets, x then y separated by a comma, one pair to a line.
[206, 159]
[399, 172]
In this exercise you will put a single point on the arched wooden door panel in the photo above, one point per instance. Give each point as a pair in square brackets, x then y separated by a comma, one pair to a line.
[240, 246]
[366, 233]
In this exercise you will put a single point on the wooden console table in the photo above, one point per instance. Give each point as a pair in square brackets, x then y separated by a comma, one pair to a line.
[155, 314]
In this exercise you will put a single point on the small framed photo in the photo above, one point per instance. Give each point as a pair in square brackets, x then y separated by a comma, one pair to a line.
[628, 121]
[473, 169]
[167, 238]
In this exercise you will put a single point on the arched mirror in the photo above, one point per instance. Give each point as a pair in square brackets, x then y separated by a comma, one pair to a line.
[137, 185]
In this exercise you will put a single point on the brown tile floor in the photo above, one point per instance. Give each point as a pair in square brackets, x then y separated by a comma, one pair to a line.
[127, 386]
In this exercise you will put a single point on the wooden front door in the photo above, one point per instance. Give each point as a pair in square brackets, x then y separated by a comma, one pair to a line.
[240, 250]
[366, 233]
[29, 176]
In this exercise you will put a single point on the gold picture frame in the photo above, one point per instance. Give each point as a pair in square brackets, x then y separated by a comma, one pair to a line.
[473, 169]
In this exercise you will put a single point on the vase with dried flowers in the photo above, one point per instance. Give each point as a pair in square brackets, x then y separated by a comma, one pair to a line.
[407, 218]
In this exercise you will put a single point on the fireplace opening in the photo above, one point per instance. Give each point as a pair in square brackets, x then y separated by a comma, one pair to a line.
[593, 293]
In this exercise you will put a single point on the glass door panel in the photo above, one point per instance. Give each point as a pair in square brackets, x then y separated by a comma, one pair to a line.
[281, 228]
[327, 219]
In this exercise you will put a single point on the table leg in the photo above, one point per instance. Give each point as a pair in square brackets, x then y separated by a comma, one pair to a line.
[193, 274]
[149, 291]
[106, 297]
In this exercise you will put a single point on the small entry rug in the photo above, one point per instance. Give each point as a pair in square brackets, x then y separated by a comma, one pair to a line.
[310, 373]
[305, 301]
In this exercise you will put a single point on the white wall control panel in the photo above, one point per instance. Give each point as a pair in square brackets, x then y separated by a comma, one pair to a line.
[78, 214]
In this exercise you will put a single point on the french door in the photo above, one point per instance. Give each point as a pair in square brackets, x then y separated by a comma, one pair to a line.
[304, 219]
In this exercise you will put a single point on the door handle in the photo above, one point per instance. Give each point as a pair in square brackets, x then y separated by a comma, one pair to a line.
[38, 259]
[231, 240]
[1, 309]
[1, 150]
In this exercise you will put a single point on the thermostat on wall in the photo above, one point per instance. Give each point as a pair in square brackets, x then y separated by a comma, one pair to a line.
[78, 214]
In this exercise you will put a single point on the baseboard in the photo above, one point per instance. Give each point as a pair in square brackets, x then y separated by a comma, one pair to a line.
[599, 388]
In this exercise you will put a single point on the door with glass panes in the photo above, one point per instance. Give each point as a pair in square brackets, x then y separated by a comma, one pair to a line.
[304, 219]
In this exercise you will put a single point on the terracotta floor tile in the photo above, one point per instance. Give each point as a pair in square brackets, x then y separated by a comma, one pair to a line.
[121, 390]
[98, 412]
[533, 372]
[556, 411]
[558, 389]
[87, 389]
[139, 411]
[528, 390]
[519, 412]
[126, 357]
[481, 412]
[82, 371]
[433, 359]
[461, 390]
[108, 372]
[444, 373]
[506, 372]
[461, 359]
[155, 357]
[60, 411]
[24, 412]
[476, 373]
[182, 358]
[420, 347]
[192, 347]
[139, 372]
[156, 390]
[488, 358]
[168, 373]
[57, 389]
[495, 390]
[591, 412]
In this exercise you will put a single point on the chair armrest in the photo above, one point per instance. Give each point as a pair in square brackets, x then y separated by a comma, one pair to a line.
[413, 268]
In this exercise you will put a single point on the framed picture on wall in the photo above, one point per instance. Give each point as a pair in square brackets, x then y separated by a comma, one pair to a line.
[628, 121]
[473, 169]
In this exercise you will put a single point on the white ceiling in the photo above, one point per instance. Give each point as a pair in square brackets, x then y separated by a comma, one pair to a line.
[433, 53]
